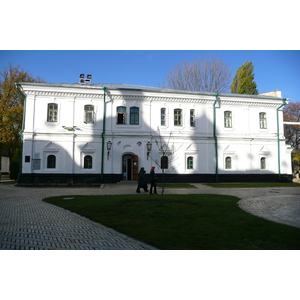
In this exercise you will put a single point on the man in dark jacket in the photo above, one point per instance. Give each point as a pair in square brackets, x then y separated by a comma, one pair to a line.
[153, 180]
[142, 181]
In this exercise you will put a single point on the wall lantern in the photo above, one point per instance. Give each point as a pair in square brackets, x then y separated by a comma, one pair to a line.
[149, 146]
[108, 146]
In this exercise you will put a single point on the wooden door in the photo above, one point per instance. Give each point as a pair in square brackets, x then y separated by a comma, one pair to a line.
[135, 167]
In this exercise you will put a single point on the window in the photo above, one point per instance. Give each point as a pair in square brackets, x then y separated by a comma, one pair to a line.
[190, 162]
[177, 117]
[162, 116]
[263, 163]
[134, 115]
[88, 162]
[228, 163]
[27, 158]
[228, 119]
[121, 115]
[164, 162]
[192, 118]
[263, 120]
[89, 114]
[51, 162]
[52, 112]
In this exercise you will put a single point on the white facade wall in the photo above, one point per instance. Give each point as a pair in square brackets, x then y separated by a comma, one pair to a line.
[244, 142]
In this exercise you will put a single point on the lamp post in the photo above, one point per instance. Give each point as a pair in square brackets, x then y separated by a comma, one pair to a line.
[149, 146]
[108, 146]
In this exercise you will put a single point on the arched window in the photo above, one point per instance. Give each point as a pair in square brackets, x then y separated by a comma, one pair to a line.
[121, 115]
[164, 162]
[51, 162]
[192, 118]
[162, 116]
[228, 163]
[89, 114]
[263, 120]
[88, 162]
[228, 119]
[263, 163]
[52, 112]
[177, 117]
[134, 115]
[190, 162]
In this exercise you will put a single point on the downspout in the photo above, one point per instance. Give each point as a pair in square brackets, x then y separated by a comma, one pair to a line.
[23, 126]
[103, 132]
[278, 139]
[216, 140]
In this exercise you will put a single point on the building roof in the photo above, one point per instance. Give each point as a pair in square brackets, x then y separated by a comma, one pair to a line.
[120, 86]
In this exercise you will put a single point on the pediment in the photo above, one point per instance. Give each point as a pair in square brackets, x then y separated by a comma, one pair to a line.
[88, 147]
[230, 149]
[264, 151]
[191, 148]
[51, 147]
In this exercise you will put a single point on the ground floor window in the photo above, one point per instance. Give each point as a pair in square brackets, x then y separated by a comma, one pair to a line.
[164, 162]
[263, 163]
[88, 162]
[51, 161]
[190, 162]
[228, 162]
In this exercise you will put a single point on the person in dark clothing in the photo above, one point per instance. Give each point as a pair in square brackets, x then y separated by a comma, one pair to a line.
[153, 180]
[142, 181]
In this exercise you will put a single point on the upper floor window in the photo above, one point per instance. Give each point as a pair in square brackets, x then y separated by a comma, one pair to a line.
[192, 118]
[162, 116]
[190, 162]
[52, 112]
[51, 161]
[89, 114]
[134, 115]
[228, 163]
[88, 162]
[164, 162]
[228, 119]
[263, 120]
[121, 115]
[177, 117]
[263, 163]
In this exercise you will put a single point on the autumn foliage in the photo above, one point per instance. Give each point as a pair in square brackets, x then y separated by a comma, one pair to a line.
[11, 107]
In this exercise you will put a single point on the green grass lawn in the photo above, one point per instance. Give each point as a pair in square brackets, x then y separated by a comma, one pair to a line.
[183, 221]
[253, 184]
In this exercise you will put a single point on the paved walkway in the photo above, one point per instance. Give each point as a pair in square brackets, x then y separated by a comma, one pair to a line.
[26, 222]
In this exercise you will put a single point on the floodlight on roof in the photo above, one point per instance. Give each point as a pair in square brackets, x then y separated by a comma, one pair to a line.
[81, 76]
[89, 76]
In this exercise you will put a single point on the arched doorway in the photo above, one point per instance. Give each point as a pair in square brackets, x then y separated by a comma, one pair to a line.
[130, 167]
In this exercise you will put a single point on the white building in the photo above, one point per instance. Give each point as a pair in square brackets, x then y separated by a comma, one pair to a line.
[100, 132]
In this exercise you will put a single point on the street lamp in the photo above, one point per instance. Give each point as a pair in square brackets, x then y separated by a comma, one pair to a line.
[108, 146]
[149, 146]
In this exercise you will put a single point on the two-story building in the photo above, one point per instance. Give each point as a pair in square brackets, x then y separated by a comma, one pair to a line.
[107, 132]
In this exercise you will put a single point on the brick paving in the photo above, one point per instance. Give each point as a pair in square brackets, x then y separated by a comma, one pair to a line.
[26, 222]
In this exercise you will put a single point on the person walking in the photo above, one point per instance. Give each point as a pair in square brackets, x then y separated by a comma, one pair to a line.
[153, 180]
[142, 181]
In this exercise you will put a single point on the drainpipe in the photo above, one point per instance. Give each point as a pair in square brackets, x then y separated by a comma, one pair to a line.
[216, 140]
[103, 132]
[23, 126]
[278, 139]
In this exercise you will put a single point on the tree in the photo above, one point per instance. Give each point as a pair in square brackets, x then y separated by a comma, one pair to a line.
[167, 152]
[11, 107]
[291, 113]
[206, 75]
[243, 81]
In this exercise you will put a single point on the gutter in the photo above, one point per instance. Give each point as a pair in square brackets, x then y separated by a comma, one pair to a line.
[103, 132]
[17, 85]
[216, 140]
[278, 139]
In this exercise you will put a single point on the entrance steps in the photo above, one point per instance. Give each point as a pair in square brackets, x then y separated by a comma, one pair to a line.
[128, 182]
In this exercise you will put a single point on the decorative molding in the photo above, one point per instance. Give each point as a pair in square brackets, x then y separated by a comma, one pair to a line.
[163, 98]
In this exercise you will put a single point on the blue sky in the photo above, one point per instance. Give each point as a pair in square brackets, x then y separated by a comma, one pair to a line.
[274, 69]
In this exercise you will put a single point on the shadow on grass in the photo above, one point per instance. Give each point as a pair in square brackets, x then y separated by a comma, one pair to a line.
[192, 222]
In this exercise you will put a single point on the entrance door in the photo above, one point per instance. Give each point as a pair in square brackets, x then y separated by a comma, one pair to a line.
[130, 167]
